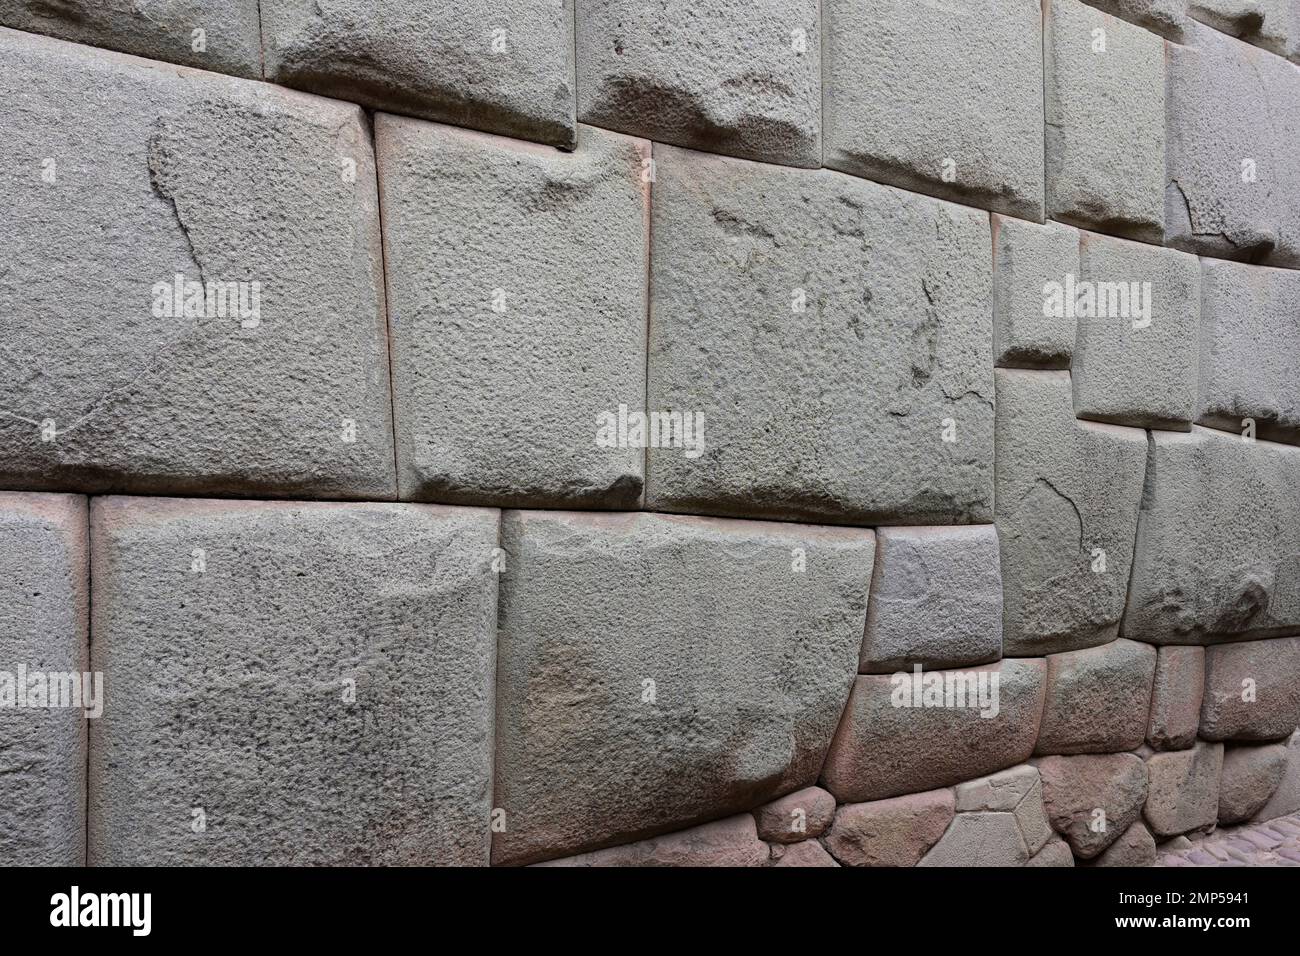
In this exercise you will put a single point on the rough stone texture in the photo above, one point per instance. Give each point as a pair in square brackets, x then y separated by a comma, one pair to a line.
[1027, 256]
[505, 66]
[1250, 776]
[163, 171]
[1138, 368]
[729, 842]
[44, 628]
[1098, 699]
[1176, 698]
[1168, 18]
[1271, 24]
[230, 42]
[1055, 853]
[890, 115]
[1218, 544]
[234, 698]
[1017, 791]
[1243, 306]
[936, 599]
[797, 816]
[500, 407]
[1076, 788]
[650, 648]
[807, 853]
[737, 78]
[1252, 690]
[1067, 507]
[894, 832]
[980, 839]
[1183, 789]
[1105, 122]
[1136, 847]
[884, 748]
[1286, 797]
[838, 412]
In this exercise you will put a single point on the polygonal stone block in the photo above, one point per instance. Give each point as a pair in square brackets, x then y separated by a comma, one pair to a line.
[1135, 847]
[1017, 791]
[1168, 18]
[807, 853]
[1176, 697]
[1055, 853]
[1250, 775]
[292, 683]
[1027, 258]
[517, 295]
[1092, 799]
[894, 832]
[1271, 24]
[1183, 789]
[980, 839]
[1098, 699]
[1286, 796]
[729, 842]
[1252, 690]
[797, 816]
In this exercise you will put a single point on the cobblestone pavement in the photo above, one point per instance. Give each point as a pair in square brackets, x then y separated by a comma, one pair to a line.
[1276, 843]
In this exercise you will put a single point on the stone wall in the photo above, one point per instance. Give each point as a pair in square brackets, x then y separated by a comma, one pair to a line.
[335, 529]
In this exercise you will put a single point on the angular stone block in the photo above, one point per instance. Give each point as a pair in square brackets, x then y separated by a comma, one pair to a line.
[310, 682]
[1137, 356]
[44, 692]
[1098, 699]
[1271, 24]
[807, 853]
[263, 369]
[1067, 508]
[1286, 797]
[1176, 698]
[744, 79]
[835, 336]
[888, 113]
[1183, 789]
[729, 842]
[219, 35]
[1092, 799]
[1168, 18]
[1252, 690]
[1028, 257]
[797, 816]
[1055, 853]
[1136, 847]
[1017, 791]
[898, 731]
[1250, 777]
[649, 648]
[894, 832]
[517, 293]
[504, 66]
[980, 839]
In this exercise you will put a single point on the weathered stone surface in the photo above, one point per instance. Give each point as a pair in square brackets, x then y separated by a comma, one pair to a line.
[1136, 847]
[797, 816]
[321, 663]
[1026, 257]
[1168, 18]
[936, 599]
[1250, 776]
[44, 607]
[505, 352]
[219, 35]
[647, 648]
[1137, 356]
[1183, 789]
[1252, 690]
[1242, 307]
[980, 839]
[159, 172]
[807, 853]
[1211, 566]
[884, 747]
[1067, 507]
[505, 66]
[1271, 24]
[894, 832]
[832, 332]
[729, 842]
[1286, 797]
[1176, 697]
[1091, 799]
[1098, 699]
[1105, 109]
[737, 78]
[889, 113]
[1055, 853]
[1016, 791]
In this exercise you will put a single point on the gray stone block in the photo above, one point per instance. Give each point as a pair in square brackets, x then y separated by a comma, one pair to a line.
[504, 66]
[1098, 699]
[894, 832]
[44, 629]
[1055, 853]
[1252, 690]
[655, 671]
[1176, 697]
[1183, 789]
[1027, 258]
[834, 334]
[1271, 24]
[127, 174]
[980, 839]
[1168, 18]
[729, 842]
[292, 683]
[1017, 791]
[517, 298]
[1092, 799]
[1250, 776]
[740, 78]
[1135, 847]
[1286, 797]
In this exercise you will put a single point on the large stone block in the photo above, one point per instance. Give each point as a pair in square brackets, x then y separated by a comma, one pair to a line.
[46, 688]
[729, 842]
[743, 79]
[1271, 24]
[1067, 507]
[1176, 698]
[1092, 799]
[517, 293]
[1105, 128]
[271, 376]
[1168, 18]
[292, 683]
[1017, 791]
[835, 336]
[1098, 699]
[892, 116]
[1183, 789]
[897, 737]
[1250, 776]
[505, 66]
[655, 671]
[1286, 796]
[894, 832]
[1136, 847]
[1252, 690]
[980, 839]
[1027, 258]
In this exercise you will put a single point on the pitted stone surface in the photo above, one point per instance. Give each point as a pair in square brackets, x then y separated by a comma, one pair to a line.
[1286, 797]
[1136, 847]
[1250, 777]
[1026, 257]
[1091, 799]
[327, 664]
[1271, 24]
[980, 839]
[729, 842]
[894, 832]
[1176, 698]
[1098, 699]
[1168, 18]
[647, 648]
[740, 78]
[1252, 690]
[505, 352]
[1183, 789]
[797, 816]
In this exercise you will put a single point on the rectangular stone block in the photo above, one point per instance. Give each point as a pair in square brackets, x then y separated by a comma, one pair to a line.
[833, 334]
[1176, 697]
[1183, 789]
[504, 66]
[1098, 699]
[1252, 690]
[1027, 260]
[656, 671]
[45, 696]
[517, 297]
[193, 299]
[740, 78]
[1168, 18]
[971, 130]
[292, 683]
